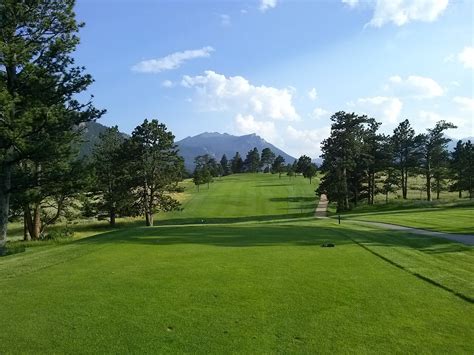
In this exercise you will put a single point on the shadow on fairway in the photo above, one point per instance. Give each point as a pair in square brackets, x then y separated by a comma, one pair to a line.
[231, 220]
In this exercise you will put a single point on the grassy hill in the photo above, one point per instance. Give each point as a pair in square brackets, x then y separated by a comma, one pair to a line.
[241, 269]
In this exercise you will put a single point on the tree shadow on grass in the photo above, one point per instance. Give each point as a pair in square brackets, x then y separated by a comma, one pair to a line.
[230, 220]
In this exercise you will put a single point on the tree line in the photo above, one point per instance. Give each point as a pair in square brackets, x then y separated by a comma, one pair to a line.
[359, 162]
[207, 167]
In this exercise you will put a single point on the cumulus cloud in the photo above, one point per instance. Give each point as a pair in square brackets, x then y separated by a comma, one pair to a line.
[225, 20]
[415, 86]
[351, 3]
[382, 108]
[247, 124]
[466, 57]
[308, 142]
[235, 93]
[401, 12]
[167, 84]
[465, 103]
[267, 4]
[312, 94]
[172, 61]
[428, 119]
[319, 113]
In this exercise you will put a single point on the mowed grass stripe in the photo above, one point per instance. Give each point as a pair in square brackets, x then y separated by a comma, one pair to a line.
[246, 288]
[262, 286]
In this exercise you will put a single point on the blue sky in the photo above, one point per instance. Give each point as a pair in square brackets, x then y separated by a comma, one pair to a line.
[279, 68]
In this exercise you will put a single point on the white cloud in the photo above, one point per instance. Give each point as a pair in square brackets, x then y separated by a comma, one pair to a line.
[465, 103]
[167, 84]
[382, 108]
[225, 20]
[172, 61]
[319, 113]
[246, 124]
[415, 86]
[428, 119]
[466, 57]
[267, 4]
[308, 142]
[351, 3]
[312, 94]
[400, 12]
[235, 93]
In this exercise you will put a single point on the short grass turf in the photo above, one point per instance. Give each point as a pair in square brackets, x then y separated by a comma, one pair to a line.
[263, 285]
[453, 219]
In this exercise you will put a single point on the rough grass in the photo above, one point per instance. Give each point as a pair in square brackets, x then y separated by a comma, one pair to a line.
[252, 278]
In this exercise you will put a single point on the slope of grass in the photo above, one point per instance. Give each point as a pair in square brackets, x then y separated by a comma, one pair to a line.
[263, 285]
[458, 219]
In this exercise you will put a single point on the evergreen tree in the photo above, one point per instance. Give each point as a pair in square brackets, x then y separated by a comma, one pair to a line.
[237, 164]
[462, 160]
[252, 161]
[278, 165]
[302, 164]
[434, 155]
[310, 171]
[225, 165]
[267, 157]
[155, 168]
[38, 87]
[111, 179]
[404, 148]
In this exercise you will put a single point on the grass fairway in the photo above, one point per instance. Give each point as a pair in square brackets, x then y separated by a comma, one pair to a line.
[263, 285]
[458, 220]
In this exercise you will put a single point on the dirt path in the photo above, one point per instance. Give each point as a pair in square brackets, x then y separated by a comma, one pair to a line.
[467, 239]
[322, 209]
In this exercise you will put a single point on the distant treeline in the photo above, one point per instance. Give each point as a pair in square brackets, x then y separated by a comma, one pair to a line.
[207, 167]
[360, 162]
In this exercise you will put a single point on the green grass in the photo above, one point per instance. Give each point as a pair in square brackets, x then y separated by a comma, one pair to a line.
[458, 220]
[251, 279]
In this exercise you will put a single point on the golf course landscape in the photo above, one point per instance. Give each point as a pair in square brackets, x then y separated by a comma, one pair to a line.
[241, 269]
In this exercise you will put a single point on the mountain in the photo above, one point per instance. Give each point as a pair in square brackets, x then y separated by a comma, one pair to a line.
[216, 144]
[452, 144]
[90, 136]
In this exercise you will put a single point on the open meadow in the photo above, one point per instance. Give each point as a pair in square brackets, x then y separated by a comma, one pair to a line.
[240, 269]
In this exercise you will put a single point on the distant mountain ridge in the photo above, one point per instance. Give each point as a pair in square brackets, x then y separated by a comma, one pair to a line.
[217, 144]
[213, 143]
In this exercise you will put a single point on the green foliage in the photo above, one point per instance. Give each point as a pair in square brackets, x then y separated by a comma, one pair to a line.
[154, 167]
[278, 165]
[252, 162]
[39, 84]
[237, 164]
[267, 158]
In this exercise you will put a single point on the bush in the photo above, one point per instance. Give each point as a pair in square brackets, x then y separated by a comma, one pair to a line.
[59, 234]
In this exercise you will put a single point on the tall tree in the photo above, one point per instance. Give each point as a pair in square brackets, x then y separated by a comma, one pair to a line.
[278, 165]
[111, 178]
[404, 148]
[267, 158]
[434, 153]
[252, 161]
[340, 153]
[38, 86]
[225, 165]
[462, 167]
[310, 171]
[156, 167]
[237, 164]
[302, 164]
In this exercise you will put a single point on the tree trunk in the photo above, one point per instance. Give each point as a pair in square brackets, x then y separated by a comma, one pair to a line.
[428, 184]
[26, 232]
[112, 217]
[37, 222]
[460, 193]
[5, 185]
[149, 219]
